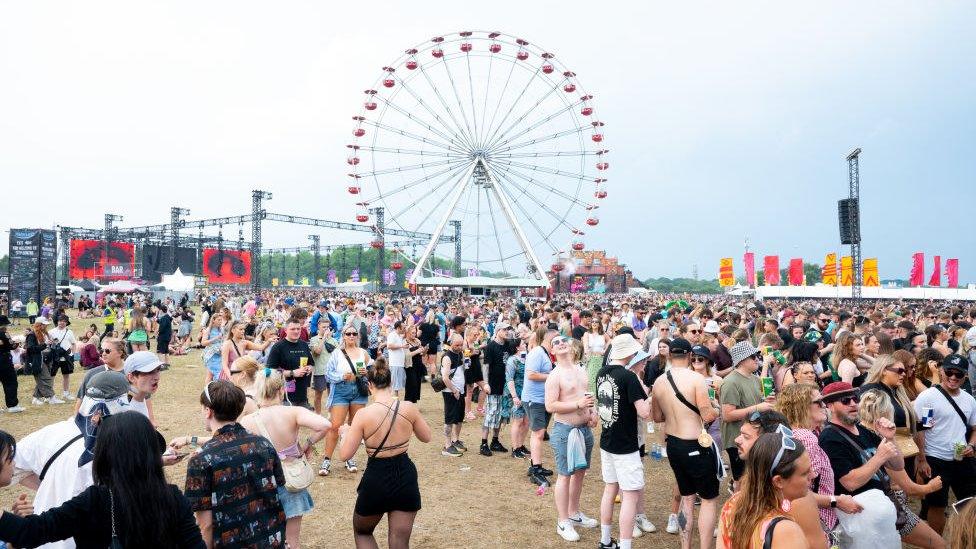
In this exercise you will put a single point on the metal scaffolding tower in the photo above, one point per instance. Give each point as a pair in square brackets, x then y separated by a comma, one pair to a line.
[175, 222]
[854, 218]
[456, 223]
[316, 258]
[257, 212]
[381, 250]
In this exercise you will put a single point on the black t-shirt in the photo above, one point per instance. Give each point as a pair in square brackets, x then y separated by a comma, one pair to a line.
[617, 389]
[285, 355]
[652, 370]
[844, 457]
[494, 357]
[578, 332]
[165, 327]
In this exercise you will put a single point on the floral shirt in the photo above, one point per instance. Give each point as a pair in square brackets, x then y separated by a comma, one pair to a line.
[236, 476]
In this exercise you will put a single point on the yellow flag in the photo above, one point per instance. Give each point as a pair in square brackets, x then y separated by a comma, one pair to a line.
[869, 272]
[846, 271]
[274, 281]
[304, 281]
[726, 277]
[291, 282]
[829, 276]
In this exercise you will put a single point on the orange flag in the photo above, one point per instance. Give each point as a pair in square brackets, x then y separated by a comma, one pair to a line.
[869, 272]
[846, 271]
[829, 276]
[726, 277]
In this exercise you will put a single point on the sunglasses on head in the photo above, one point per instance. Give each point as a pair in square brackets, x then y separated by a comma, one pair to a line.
[786, 443]
[955, 374]
[959, 505]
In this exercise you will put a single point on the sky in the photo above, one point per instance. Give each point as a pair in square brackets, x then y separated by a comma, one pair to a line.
[725, 121]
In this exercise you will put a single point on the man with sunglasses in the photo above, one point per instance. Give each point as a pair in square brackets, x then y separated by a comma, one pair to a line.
[572, 409]
[741, 395]
[950, 443]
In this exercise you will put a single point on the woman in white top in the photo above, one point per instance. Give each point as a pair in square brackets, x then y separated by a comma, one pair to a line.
[280, 424]
[399, 355]
[594, 344]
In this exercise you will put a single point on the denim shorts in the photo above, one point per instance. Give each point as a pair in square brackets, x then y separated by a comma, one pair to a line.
[345, 393]
[295, 504]
[559, 438]
[538, 416]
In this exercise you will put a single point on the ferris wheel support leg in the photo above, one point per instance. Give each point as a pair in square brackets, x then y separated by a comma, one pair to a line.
[519, 233]
[436, 235]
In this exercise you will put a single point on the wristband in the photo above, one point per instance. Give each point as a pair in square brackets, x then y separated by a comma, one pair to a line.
[833, 502]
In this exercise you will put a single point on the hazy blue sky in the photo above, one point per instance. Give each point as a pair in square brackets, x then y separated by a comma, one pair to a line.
[725, 120]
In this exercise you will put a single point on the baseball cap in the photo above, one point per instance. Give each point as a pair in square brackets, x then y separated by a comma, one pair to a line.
[788, 313]
[323, 303]
[813, 336]
[837, 390]
[702, 351]
[141, 361]
[955, 362]
[623, 346]
[502, 326]
[711, 327]
[107, 385]
[679, 346]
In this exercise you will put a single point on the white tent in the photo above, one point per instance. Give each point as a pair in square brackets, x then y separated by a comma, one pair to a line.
[121, 287]
[176, 282]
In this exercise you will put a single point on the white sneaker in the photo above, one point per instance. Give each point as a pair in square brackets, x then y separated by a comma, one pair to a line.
[38, 401]
[672, 524]
[16, 409]
[567, 532]
[55, 400]
[637, 531]
[645, 524]
[582, 520]
[67, 396]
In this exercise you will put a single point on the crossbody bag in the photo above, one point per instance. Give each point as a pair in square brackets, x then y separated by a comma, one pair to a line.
[962, 416]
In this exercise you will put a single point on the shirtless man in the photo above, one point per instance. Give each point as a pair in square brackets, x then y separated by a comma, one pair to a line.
[572, 408]
[696, 468]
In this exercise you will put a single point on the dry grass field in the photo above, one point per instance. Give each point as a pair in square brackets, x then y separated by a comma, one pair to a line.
[471, 501]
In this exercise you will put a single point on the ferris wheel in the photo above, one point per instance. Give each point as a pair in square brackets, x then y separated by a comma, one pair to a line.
[488, 132]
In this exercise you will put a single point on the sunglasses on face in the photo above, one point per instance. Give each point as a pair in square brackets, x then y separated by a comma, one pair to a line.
[349, 334]
[849, 400]
[561, 340]
[699, 359]
[955, 374]
[106, 351]
[819, 403]
[694, 331]
[899, 371]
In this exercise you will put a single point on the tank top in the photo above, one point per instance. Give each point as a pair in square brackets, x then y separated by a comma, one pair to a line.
[597, 344]
[457, 369]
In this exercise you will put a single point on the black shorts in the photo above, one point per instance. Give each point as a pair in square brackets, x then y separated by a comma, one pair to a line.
[537, 414]
[64, 366]
[453, 408]
[736, 464]
[695, 468]
[388, 484]
[958, 475]
[162, 346]
[473, 373]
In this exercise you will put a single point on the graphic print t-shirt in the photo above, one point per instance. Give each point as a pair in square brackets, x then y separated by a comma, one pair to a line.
[617, 389]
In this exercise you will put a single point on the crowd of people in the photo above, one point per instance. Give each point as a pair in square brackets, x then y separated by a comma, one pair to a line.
[846, 424]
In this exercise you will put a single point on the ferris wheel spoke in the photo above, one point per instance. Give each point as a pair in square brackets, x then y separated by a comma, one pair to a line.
[409, 135]
[530, 217]
[492, 138]
[539, 140]
[448, 193]
[474, 112]
[505, 138]
[537, 168]
[417, 152]
[383, 195]
[498, 105]
[528, 180]
[484, 108]
[412, 167]
[443, 102]
[494, 226]
[551, 154]
[457, 96]
[541, 203]
[451, 137]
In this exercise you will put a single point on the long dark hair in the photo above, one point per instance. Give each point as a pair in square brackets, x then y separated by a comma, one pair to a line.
[128, 461]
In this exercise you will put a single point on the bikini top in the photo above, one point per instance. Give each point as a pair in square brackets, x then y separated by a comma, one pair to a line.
[393, 413]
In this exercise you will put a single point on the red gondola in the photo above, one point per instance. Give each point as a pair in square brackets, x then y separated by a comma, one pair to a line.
[495, 48]
[547, 69]
[466, 47]
[370, 106]
[359, 132]
[362, 218]
[602, 165]
[569, 88]
[593, 221]
[352, 160]
[411, 64]
[597, 137]
[578, 246]
[354, 189]
[437, 52]
[556, 267]
[376, 244]
[586, 111]
[396, 265]
[389, 82]
[522, 55]
[600, 193]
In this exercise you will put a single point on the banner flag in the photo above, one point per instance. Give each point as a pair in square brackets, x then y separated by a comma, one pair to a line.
[829, 275]
[726, 277]
[771, 270]
[869, 272]
[917, 275]
[846, 270]
[952, 273]
[749, 262]
[796, 271]
[936, 279]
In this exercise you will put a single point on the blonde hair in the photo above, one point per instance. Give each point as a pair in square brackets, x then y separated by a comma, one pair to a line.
[794, 403]
[960, 531]
[246, 368]
[268, 384]
[875, 405]
[881, 363]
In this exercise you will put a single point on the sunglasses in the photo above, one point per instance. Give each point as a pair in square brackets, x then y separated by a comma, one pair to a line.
[560, 340]
[699, 359]
[957, 506]
[106, 351]
[349, 334]
[955, 374]
[694, 331]
[820, 403]
[848, 400]
[899, 371]
[786, 443]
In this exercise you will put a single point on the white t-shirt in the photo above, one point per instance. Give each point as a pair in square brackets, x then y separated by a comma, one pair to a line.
[947, 427]
[64, 479]
[398, 357]
[65, 336]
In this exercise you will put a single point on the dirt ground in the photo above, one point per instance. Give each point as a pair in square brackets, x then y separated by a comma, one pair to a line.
[471, 501]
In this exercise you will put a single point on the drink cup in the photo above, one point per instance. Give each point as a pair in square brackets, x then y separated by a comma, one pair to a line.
[303, 361]
[957, 450]
[927, 414]
[360, 368]
[767, 387]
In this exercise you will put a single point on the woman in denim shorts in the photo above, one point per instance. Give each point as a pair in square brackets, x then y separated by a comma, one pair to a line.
[512, 405]
[344, 398]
